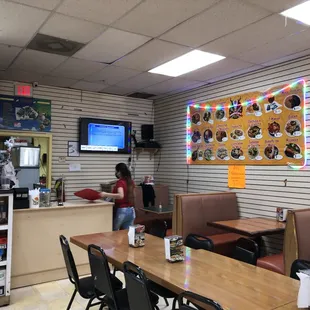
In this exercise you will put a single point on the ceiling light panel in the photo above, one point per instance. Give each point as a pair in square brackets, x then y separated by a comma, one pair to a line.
[299, 12]
[186, 63]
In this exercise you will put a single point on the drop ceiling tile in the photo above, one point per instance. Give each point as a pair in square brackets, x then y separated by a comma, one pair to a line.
[77, 68]
[112, 75]
[170, 85]
[276, 5]
[30, 60]
[287, 58]
[83, 85]
[152, 54]
[274, 50]
[143, 80]
[70, 28]
[157, 16]
[56, 81]
[19, 75]
[19, 23]
[43, 4]
[7, 54]
[223, 18]
[98, 11]
[235, 73]
[115, 90]
[111, 45]
[266, 30]
[219, 68]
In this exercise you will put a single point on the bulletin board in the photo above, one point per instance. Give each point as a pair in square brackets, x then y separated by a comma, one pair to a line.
[255, 128]
[20, 113]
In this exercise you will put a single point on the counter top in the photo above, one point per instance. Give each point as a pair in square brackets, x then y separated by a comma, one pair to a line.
[70, 204]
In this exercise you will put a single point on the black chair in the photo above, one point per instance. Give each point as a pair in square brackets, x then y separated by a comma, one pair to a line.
[246, 251]
[299, 264]
[191, 298]
[199, 242]
[137, 285]
[104, 282]
[84, 286]
[159, 229]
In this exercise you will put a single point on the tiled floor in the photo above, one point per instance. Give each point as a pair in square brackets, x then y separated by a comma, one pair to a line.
[51, 296]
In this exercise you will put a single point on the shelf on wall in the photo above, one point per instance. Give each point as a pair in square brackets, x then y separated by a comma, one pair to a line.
[152, 151]
[4, 227]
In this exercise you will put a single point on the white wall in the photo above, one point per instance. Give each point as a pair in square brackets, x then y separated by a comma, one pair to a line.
[68, 106]
[265, 188]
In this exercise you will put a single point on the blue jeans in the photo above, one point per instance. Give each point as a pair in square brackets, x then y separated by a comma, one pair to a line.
[124, 217]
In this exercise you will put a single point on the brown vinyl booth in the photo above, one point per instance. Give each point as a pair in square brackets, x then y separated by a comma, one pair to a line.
[296, 243]
[142, 217]
[192, 212]
[146, 218]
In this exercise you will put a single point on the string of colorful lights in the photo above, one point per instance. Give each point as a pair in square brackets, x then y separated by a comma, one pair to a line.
[208, 107]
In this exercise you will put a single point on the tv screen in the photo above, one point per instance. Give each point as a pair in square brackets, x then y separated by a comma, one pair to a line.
[100, 135]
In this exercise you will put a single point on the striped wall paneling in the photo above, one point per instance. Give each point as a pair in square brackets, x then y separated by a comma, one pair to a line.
[68, 106]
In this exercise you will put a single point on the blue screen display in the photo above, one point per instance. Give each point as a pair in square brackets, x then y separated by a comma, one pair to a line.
[106, 136]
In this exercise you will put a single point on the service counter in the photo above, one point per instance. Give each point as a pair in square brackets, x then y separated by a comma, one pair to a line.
[37, 255]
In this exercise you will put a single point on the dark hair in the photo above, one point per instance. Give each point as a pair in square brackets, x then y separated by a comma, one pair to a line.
[125, 173]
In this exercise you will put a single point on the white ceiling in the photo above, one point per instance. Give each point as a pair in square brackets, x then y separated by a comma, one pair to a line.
[126, 38]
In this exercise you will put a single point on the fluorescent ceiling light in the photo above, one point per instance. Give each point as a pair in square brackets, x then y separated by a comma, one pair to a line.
[299, 12]
[186, 63]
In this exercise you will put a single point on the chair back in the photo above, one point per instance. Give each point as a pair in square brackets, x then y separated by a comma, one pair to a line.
[69, 261]
[198, 242]
[101, 274]
[192, 297]
[298, 265]
[139, 296]
[158, 229]
[246, 251]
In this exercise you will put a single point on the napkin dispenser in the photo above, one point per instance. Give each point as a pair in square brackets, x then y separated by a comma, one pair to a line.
[174, 249]
[136, 236]
[281, 214]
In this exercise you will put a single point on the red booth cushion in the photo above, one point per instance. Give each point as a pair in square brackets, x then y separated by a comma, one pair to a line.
[274, 263]
[88, 194]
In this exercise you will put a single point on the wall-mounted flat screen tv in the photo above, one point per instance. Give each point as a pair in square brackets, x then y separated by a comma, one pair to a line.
[101, 135]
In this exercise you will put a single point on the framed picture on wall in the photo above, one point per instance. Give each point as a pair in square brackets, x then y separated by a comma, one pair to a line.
[73, 149]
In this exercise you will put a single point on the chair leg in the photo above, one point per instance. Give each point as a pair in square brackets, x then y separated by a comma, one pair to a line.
[114, 271]
[174, 304]
[166, 301]
[71, 300]
[89, 304]
[102, 306]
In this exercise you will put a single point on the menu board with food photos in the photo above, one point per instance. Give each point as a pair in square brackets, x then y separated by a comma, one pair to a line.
[255, 128]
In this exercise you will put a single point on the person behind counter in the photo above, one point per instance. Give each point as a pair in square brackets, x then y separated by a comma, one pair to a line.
[123, 193]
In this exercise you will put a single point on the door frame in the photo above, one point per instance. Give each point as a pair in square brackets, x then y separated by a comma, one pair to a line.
[32, 134]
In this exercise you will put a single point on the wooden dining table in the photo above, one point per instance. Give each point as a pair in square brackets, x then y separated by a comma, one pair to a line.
[233, 284]
[252, 227]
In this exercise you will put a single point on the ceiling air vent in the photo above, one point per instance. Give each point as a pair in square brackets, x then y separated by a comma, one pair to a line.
[141, 95]
[53, 45]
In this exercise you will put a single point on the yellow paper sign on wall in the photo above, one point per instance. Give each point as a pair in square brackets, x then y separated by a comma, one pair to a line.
[236, 176]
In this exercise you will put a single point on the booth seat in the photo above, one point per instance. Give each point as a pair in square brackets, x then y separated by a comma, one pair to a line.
[146, 218]
[296, 243]
[192, 212]
[273, 263]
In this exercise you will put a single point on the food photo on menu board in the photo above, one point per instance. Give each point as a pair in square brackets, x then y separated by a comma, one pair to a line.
[255, 128]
